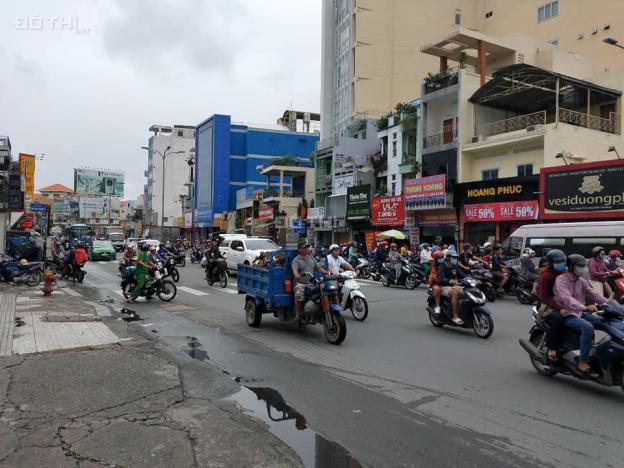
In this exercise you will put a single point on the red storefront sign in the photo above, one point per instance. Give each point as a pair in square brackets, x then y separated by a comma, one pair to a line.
[509, 211]
[388, 211]
[265, 214]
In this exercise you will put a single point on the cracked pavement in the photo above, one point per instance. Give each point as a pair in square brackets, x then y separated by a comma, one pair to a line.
[126, 406]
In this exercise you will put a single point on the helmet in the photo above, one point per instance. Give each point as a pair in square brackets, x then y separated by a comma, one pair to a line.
[145, 246]
[23, 261]
[153, 248]
[596, 250]
[487, 244]
[615, 253]
[393, 246]
[576, 260]
[556, 255]
[529, 251]
[424, 246]
[467, 246]
[437, 254]
[333, 246]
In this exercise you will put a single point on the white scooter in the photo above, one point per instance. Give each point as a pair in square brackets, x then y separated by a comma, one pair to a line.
[351, 296]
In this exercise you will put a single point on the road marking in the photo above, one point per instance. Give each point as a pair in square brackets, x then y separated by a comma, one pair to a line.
[192, 291]
[225, 290]
[71, 292]
[103, 263]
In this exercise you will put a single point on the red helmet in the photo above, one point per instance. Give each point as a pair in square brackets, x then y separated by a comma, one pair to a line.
[615, 253]
[437, 254]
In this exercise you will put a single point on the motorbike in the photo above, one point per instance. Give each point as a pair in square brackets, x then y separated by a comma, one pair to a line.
[156, 284]
[219, 274]
[376, 270]
[606, 356]
[524, 292]
[196, 255]
[171, 269]
[472, 310]
[485, 282]
[334, 325]
[30, 274]
[351, 297]
[617, 277]
[410, 275]
[363, 267]
[180, 258]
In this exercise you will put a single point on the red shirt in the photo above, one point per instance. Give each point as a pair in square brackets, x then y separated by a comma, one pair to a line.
[545, 288]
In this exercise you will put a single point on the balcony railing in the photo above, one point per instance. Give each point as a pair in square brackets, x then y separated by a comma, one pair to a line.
[593, 122]
[444, 79]
[437, 139]
[512, 124]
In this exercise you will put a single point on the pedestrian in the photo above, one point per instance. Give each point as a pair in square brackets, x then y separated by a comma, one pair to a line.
[140, 274]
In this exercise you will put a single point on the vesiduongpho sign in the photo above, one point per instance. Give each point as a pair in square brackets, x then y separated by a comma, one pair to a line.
[589, 190]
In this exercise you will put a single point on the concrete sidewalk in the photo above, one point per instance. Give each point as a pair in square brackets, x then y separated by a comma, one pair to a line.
[123, 403]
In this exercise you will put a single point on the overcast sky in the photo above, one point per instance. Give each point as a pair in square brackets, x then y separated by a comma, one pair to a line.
[82, 81]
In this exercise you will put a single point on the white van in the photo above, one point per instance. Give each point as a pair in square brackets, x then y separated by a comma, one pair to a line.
[572, 238]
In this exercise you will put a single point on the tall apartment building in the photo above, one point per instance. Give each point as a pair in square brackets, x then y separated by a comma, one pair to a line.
[176, 143]
[371, 57]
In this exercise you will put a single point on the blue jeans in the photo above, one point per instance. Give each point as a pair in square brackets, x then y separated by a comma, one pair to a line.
[585, 327]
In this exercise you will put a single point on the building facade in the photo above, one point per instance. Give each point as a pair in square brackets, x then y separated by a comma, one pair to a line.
[230, 157]
[370, 48]
[176, 144]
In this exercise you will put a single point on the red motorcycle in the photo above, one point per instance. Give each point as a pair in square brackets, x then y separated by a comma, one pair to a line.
[617, 277]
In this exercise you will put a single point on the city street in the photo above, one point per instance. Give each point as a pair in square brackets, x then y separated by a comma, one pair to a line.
[397, 392]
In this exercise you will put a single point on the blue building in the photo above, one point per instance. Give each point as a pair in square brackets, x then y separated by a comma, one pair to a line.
[227, 157]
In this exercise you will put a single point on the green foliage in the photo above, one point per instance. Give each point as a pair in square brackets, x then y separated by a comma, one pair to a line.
[382, 122]
[409, 122]
[404, 108]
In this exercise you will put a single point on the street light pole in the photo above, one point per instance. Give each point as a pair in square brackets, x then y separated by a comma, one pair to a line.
[163, 156]
[612, 41]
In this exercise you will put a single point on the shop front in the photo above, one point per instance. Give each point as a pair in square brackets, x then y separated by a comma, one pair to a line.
[428, 210]
[582, 192]
[358, 212]
[490, 210]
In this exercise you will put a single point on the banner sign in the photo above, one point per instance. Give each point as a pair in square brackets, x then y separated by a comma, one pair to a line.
[589, 190]
[27, 169]
[414, 236]
[101, 182]
[98, 208]
[498, 190]
[358, 202]
[188, 219]
[388, 211]
[265, 214]
[316, 213]
[510, 211]
[446, 217]
[425, 189]
[40, 215]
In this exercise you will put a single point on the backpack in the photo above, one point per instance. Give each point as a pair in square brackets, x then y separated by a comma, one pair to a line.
[80, 257]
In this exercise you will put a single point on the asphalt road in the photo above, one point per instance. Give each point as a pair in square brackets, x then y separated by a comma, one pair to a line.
[398, 392]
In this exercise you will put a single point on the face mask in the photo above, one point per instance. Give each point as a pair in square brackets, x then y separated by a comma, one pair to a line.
[580, 271]
[618, 262]
[453, 261]
[559, 266]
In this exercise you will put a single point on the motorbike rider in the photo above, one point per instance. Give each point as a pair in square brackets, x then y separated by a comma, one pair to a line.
[437, 244]
[129, 256]
[449, 277]
[573, 292]
[304, 263]
[527, 267]
[465, 257]
[213, 254]
[153, 255]
[598, 272]
[394, 257]
[556, 264]
[499, 269]
[425, 258]
[381, 253]
[437, 259]
[352, 253]
[614, 261]
[334, 262]
[140, 274]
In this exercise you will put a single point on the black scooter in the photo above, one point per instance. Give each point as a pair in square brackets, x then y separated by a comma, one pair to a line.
[410, 275]
[218, 273]
[472, 310]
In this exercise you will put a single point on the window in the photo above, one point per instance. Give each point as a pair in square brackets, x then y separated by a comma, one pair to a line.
[394, 148]
[539, 244]
[225, 244]
[180, 133]
[512, 247]
[550, 10]
[489, 14]
[525, 170]
[393, 176]
[457, 18]
[237, 245]
[554, 42]
[394, 188]
[489, 174]
[584, 245]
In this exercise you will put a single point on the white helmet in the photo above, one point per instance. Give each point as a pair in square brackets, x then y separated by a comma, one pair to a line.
[529, 251]
[333, 246]
[487, 244]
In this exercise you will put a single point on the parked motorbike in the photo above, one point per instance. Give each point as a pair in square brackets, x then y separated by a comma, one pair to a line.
[351, 297]
[606, 356]
[30, 274]
[410, 275]
[219, 273]
[472, 310]
[155, 285]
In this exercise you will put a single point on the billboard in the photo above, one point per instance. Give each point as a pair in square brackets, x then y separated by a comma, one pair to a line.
[502, 211]
[40, 215]
[98, 208]
[27, 169]
[388, 211]
[99, 182]
[358, 202]
[589, 190]
[425, 190]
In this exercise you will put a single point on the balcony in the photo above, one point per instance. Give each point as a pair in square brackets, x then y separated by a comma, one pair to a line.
[445, 137]
[444, 79]
[521, 122]
[592, 122]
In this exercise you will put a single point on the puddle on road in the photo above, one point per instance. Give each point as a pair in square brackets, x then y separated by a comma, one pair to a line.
[194, 351]
[290, 426]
